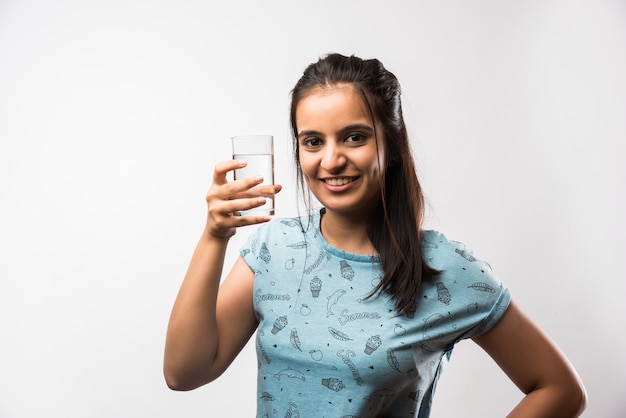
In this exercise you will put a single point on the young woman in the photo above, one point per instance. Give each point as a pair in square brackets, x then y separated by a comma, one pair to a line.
[356, 308]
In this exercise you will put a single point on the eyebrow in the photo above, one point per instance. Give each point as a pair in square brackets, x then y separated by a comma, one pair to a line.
[356, 126]
[307, 133]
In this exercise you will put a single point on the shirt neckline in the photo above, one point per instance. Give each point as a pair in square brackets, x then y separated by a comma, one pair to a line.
[316, 219]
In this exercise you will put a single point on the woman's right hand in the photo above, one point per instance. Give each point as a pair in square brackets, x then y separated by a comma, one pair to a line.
[225, 199]
[211, 320]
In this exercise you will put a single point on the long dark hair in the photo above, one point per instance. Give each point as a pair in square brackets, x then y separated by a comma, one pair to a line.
[398, 238]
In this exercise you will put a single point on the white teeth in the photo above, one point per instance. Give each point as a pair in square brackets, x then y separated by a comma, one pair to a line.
[338, 182]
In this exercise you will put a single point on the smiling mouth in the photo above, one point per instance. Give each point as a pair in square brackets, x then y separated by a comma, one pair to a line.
[338, 181]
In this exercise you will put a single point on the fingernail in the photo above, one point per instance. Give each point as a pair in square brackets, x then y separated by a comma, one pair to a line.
[258, 178]
[261, 200]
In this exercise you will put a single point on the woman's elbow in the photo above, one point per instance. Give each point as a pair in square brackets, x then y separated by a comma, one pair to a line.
[174, 381]
[181, 383]
[578, 398]
[186, 378]
[571, 397]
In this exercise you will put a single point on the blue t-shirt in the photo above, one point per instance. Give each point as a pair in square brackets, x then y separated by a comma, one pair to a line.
[326, 350]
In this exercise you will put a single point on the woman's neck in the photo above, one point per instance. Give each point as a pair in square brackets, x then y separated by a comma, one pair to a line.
[346, 232]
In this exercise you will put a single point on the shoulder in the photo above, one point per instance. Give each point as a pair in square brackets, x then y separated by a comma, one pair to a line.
[457, 267]
[465, 283]
[442, 254]
[270, 240]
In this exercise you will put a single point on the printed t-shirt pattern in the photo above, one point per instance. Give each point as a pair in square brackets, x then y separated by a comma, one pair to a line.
[326, 350]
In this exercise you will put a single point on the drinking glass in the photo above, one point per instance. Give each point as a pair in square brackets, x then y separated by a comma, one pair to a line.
[258, 152]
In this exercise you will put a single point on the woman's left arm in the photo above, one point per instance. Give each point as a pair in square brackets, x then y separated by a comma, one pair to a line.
[536, 365]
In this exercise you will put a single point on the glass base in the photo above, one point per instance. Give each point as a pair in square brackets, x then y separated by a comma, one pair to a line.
[256, 212]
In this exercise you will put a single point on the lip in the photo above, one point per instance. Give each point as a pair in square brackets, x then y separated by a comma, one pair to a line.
[338, 183]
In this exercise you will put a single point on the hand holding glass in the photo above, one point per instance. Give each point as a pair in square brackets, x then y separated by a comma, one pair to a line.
[258, 152]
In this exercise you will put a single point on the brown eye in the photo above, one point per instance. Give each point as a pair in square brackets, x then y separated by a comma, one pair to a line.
[312, 142]
[355, 137]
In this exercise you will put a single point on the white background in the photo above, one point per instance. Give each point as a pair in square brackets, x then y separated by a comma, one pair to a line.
[113, 113]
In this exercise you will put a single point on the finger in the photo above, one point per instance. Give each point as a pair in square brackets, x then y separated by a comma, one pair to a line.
[239, 206]
[219, 195]
[246, 187]
[221, 168]
[240, 221]
[225, 216]
[251, 203]
[247, 219]
[236, 206]
[253, 220]
[265, 190]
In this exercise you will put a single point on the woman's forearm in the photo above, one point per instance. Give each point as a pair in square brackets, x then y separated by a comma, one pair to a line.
[561, 402]
[192, 335]
[549, 403]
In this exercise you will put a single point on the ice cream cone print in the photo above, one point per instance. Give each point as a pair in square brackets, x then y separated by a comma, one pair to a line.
[346, 270]
[264, 254]
[279, 324]
[372, 344]
[316, 286]
[443, 294]
[333, 384]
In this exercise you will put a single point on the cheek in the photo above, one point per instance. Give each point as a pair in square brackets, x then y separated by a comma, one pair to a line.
[307, 168]
[376, 164]
[309, 180]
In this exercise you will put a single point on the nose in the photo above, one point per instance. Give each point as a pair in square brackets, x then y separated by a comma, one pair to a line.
[333, 159]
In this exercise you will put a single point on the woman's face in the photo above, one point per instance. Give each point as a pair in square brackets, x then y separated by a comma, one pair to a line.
[340, 158]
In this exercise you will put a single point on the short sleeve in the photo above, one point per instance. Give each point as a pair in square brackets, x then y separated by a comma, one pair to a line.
[490, 314]
[248, 250]
[472, 296]
[265, 250]
[259, 250]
